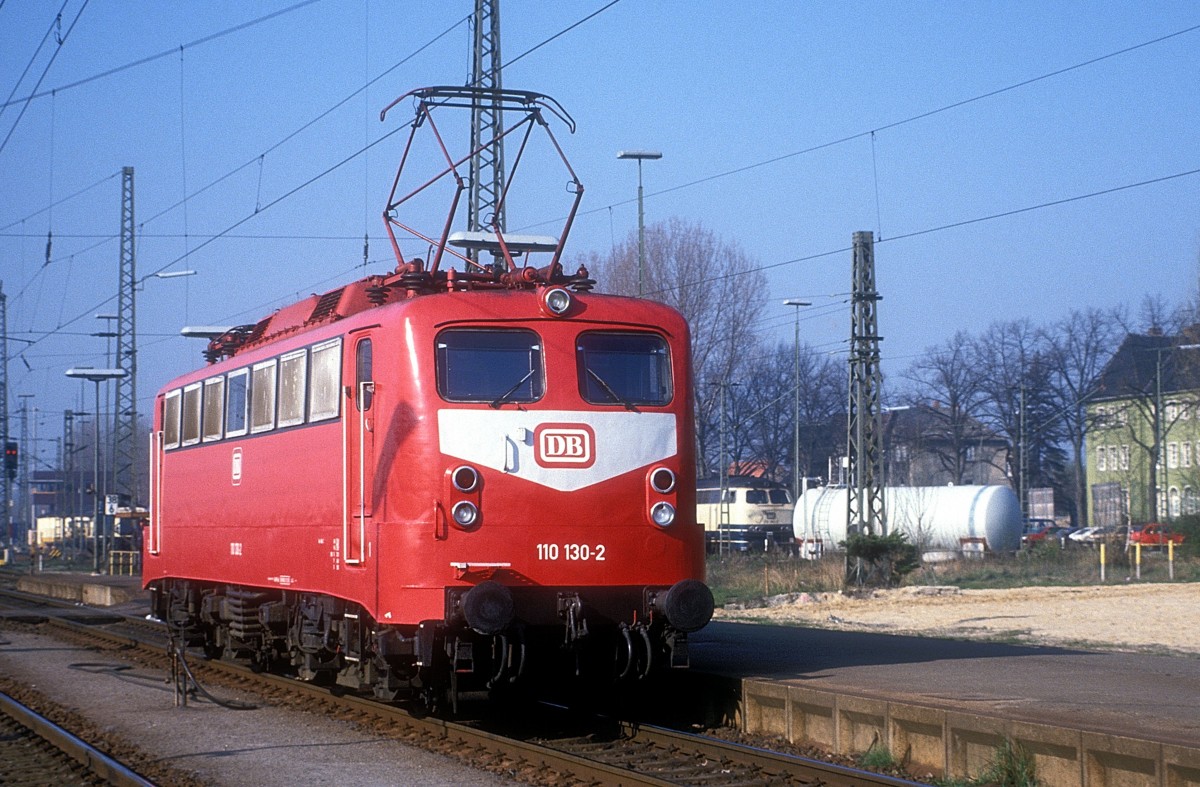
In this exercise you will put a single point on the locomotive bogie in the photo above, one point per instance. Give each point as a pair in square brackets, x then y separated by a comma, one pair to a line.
[490, 637]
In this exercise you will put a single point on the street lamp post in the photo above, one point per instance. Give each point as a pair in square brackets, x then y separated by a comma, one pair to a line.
[97, 376]
[797, 305]
[640, 156]
[108, 334]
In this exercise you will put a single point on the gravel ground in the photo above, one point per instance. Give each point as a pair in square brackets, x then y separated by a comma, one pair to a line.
[203, 743]
[1153, 618]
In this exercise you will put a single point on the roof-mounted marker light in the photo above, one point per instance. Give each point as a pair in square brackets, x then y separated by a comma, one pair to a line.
[557, 301]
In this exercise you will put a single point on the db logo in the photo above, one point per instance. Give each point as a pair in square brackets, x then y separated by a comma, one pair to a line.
[564, 445]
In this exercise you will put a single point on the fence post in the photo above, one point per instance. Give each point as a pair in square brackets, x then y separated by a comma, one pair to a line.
[1137, 550]
[1170, 559]
[1102, 561]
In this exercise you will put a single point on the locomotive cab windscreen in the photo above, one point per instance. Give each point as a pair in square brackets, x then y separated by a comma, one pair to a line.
[492, 366]
[624, 368]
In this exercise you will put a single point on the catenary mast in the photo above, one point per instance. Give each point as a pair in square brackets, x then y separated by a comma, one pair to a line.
[865, 512]
[125, 480]
[485, 210]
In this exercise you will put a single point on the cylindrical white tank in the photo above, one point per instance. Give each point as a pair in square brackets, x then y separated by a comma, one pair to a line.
[933, 517]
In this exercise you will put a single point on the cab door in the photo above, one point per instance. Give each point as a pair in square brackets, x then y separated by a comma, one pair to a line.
[359, 463]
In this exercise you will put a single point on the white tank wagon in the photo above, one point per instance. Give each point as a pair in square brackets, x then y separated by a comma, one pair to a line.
[935, 518]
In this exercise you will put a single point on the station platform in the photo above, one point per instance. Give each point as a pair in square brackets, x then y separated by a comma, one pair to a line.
[96, 590]
[945, 706]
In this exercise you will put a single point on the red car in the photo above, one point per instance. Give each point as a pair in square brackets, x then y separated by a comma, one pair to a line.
[1046, 533]
[1155, 535]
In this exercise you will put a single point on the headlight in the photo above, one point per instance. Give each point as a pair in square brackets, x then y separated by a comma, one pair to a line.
[464, 478]
[465, 514]
[662, 480]
[662, 514]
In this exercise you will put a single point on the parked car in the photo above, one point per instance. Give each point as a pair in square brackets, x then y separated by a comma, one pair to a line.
[1095, 535]
[1031, 526]
[1155, 535]
[1084, 535]
[1052, 534]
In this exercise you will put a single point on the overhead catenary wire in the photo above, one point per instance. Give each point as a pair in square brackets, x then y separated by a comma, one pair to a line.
[717, 277]
[361, 151]
[257, 159]
[955, 225]
[61, 41]
[56, 203]
[952, 224]
[888, 126]
[231, 227]
[33, 58]
[258, 206]
[150, 59]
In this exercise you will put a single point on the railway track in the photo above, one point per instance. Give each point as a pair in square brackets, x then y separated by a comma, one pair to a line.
[548, 746]
[36, 751]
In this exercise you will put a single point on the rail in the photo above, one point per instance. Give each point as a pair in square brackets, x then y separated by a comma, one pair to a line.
[60, 745]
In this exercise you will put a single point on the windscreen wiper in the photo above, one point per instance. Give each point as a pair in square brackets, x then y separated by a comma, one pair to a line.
[499, 400]
[609, 390]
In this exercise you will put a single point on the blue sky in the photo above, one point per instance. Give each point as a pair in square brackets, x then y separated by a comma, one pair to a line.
[717, 87]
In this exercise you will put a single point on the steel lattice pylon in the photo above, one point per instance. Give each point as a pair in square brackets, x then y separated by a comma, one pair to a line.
[865, 513]
[125, 465]
[485, 207]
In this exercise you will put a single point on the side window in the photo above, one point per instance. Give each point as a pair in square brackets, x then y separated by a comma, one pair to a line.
[191, 414]
[262, 399]
[363, 374]
[237, 404]
[325, 382]
[780, 496]
[214, 408]
[623, 368]
[707, 496]
[293, 377]
[170, 419]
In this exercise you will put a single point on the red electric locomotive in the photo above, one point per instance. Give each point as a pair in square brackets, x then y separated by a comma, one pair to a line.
[437, 480]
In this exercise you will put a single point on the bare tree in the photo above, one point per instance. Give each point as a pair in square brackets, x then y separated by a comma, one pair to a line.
[1017, 403]
[716, 287]
[1077, 348]
[823, 395]
[1158, 317]
[947, 375]
[763, 410]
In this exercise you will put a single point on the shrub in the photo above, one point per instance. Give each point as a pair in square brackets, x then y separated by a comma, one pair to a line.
[880, 561]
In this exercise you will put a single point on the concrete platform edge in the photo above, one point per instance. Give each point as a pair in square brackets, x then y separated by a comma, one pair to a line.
[947, 743]
[102, 592]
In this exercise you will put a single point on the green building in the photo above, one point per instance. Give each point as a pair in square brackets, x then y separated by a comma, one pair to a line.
[1143, 437]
